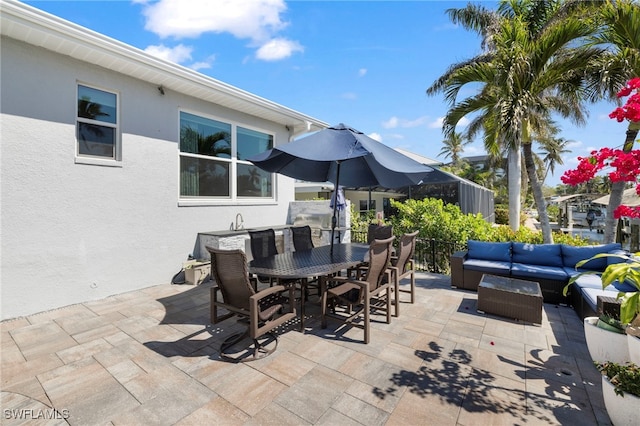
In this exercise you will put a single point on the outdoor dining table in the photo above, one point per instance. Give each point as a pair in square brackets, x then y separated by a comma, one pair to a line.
[317, 262]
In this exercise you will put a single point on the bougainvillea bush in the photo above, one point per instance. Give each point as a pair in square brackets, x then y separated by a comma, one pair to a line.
[623, 165]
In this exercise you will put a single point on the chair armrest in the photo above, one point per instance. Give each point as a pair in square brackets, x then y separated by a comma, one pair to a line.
[267, 292]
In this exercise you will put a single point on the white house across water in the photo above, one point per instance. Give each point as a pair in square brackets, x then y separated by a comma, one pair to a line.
[113, 161]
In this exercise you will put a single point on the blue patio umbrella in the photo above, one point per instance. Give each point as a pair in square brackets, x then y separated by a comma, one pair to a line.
[344, 156]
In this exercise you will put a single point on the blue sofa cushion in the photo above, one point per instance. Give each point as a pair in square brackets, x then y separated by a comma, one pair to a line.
[523, 270]
[572, 255]
[611, 260]
[537, 254]
[587, 281]
[488, 266]
[625, 287]
[590, 295]
[489, 251]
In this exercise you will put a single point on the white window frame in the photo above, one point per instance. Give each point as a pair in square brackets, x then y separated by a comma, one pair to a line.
[233, 198]
[116, 161]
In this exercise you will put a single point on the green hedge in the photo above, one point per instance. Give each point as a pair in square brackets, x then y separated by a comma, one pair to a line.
[446, 222]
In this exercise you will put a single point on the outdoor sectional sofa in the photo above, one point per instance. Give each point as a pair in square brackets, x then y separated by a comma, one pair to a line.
[551, 265]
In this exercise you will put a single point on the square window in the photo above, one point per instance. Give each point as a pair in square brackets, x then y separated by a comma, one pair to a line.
[213, 155]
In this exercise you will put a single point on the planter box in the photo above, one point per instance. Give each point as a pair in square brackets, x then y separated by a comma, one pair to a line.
[196, 271]
[623, 411]
[634, 348]
[605, 345]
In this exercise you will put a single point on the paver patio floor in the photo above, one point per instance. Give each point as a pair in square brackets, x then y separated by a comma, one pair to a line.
[151, 357]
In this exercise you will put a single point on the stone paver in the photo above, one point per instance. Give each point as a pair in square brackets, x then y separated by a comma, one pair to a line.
[152, 357]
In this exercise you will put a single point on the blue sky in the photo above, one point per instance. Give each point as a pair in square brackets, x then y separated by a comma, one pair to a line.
[364, 63]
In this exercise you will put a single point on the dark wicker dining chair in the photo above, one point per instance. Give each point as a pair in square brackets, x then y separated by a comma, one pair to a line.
[263, 244]
[403, 266]
[352, 299]
[378, 232]
[259, 309]
[302, 239]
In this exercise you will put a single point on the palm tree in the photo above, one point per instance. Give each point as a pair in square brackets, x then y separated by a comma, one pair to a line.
[553, 149]
[453, 147]
[531, 71]
[620, 34]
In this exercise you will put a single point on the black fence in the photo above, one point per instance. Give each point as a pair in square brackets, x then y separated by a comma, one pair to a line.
[431, 255]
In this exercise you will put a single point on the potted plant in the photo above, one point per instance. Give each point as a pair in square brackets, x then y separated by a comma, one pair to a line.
[621, 392]
[605, 345]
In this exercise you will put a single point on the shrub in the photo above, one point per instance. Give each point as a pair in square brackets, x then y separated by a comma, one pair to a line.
[446, 222]
[624, 378]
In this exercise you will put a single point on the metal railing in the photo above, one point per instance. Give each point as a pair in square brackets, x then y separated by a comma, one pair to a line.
[431, 255]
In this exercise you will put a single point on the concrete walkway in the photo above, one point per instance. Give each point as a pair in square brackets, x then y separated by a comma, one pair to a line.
[150, 357]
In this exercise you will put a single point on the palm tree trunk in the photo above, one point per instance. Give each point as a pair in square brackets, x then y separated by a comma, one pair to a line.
[617, 189]
[515, 179]
[538, 196]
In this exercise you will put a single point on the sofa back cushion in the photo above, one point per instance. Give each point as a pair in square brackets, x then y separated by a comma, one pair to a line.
[572, 255]
[489, 251]
[537, 254]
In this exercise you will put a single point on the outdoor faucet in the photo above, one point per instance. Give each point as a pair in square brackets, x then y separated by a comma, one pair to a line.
[239, 222]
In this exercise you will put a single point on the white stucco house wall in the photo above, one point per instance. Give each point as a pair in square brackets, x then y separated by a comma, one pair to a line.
[103, 190]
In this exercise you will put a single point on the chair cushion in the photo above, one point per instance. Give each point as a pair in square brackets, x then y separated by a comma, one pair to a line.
[572, 255]
[538, 271]
[587, 281]
[590, 295]
[537, 254]
[625, 287]
[611, 260]
[489, 251]
[488, 266]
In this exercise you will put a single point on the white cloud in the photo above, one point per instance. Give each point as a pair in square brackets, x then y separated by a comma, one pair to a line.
[391, 123]
[178, 54]
[437, 124]
[200, 65]
[349, 95]
[572, 145]
[278, 48]
[253, 19]
[375, 136]
[362, 72]
[256, 20]
[395, 122]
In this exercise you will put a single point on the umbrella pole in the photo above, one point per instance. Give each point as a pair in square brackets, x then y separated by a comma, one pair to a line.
[335, 206]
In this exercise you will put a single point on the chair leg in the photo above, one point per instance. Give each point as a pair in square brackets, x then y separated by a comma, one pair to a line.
[413, 287]
[367, 319]
[396, 288]
[389, 304]
[323, 307]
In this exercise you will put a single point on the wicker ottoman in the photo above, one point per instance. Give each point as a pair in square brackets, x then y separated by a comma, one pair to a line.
[511, 298]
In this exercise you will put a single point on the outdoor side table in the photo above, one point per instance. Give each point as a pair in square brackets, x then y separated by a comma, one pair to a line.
[609, 305]
[510, 297]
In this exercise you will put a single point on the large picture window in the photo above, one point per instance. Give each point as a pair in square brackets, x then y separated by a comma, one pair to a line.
[213, 160]
[97, 124]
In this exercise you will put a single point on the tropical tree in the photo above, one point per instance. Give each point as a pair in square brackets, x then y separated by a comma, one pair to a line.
[553, 151]
[530, 71]
[453, 147]
[618, 63]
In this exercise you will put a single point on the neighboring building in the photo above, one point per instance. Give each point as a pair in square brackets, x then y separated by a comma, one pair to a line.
[114, 160]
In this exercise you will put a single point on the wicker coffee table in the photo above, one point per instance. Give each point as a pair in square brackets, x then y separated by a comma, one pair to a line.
[511, 298]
